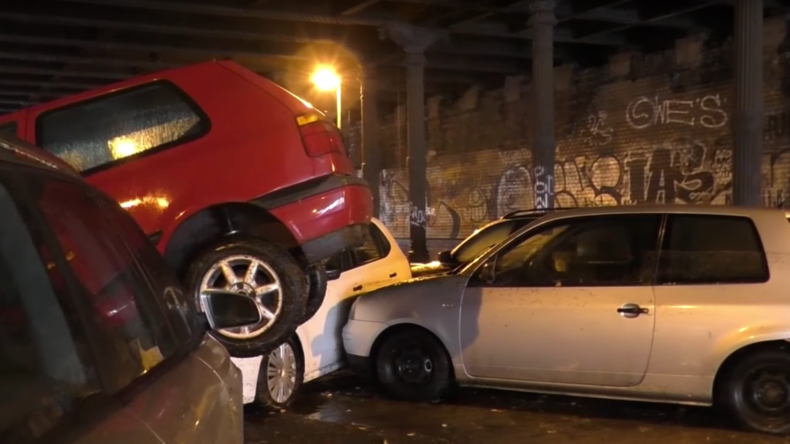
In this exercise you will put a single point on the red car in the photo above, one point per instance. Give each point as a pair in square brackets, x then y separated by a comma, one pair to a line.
[242, 185]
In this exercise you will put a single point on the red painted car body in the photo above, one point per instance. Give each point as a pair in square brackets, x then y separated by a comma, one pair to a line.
[256, 155]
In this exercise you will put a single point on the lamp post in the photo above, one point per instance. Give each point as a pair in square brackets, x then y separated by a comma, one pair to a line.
[326, 79]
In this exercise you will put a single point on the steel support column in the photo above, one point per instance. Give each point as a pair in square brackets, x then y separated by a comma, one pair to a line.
[748, 121]
[414, 40]
[542, 22]
[371, 151]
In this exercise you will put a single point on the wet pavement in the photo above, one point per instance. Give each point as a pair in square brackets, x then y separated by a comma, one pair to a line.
[345, 409]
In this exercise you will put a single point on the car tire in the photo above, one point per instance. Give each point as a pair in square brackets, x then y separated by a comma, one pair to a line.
[316, 284]
[280, 376]
[413, 365]
[274, 267]
[755, 391]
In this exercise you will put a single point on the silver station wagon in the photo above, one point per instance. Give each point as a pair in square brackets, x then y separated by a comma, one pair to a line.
[680, 304]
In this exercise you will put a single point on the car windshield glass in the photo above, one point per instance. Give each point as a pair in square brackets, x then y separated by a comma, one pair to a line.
[482, 240]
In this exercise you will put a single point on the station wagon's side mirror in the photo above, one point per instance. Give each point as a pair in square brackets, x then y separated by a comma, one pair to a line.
[445, 257]
[332, 274]
[226, 309]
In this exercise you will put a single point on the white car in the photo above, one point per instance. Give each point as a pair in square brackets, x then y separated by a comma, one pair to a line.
[317, 348]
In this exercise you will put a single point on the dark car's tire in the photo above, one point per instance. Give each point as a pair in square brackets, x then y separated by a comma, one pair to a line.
[280, 376]
[413, 365]
[316, 284]
[755, 391]
[275, 268]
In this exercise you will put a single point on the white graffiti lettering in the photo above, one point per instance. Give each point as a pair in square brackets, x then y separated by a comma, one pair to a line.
[544, 188]
[598, 134]
[644, 112]
[419, 218]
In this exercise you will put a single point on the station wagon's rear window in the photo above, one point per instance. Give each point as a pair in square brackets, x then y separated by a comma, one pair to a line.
[710, 249]
[102, 131]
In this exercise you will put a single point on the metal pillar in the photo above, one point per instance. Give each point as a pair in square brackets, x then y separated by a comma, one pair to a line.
[748, 121]
[414, 40]
[418, 155]
[371, 152]
[543, 21]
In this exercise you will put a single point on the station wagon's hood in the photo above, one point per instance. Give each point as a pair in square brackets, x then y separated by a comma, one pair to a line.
[408, 298]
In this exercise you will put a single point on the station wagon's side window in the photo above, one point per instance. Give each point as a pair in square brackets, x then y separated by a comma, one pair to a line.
[46, 368]
[592, 251]
[710, 249]
[374, 247]
[96, 133]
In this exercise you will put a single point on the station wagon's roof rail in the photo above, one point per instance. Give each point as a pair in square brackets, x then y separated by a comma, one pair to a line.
[519, 213]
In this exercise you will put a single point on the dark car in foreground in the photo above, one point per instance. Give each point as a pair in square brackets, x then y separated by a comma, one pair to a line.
[98, 342]
[482, 239]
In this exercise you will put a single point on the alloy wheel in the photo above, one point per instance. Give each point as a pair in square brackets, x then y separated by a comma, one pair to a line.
[249, 276]
[281, 373]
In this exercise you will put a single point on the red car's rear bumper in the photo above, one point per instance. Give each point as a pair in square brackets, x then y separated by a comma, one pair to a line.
[331, 218]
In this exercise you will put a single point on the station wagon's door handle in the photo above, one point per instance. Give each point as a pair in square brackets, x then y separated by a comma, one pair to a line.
[357, 288]
[632, 310]
[393, 275]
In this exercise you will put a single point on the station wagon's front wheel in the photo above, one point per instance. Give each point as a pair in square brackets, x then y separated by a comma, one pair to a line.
[414, 366]
[756, 391]
[262, 272]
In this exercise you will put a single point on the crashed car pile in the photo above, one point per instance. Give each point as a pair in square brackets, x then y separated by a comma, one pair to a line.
[267, 247]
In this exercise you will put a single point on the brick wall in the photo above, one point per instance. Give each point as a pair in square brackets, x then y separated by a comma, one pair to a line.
[645, 128]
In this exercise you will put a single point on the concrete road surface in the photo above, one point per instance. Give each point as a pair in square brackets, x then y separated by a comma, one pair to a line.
[343, 409]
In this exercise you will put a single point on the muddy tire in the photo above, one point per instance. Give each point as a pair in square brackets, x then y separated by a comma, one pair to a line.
[262, 271]
[317, 284]
[755, 391]
[280, 376]
[413, 365]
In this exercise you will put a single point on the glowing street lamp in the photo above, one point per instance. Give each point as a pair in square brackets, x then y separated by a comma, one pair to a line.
[326, 79]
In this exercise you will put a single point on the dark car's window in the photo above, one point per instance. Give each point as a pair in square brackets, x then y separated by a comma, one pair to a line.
[141, 319]
[703, 249]
[46, 368]
[9, 129]
[486, 237]
[373, 248]
[102, 131]
[593, 251]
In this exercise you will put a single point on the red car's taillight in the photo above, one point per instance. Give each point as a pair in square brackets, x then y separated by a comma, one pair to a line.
[319, 136]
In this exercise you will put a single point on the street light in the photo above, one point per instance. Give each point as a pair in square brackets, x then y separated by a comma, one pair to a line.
[326, 79]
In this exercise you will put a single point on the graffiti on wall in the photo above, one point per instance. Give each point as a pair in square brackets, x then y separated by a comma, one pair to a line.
[645, 112]
[650, 149]
[598, 133]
